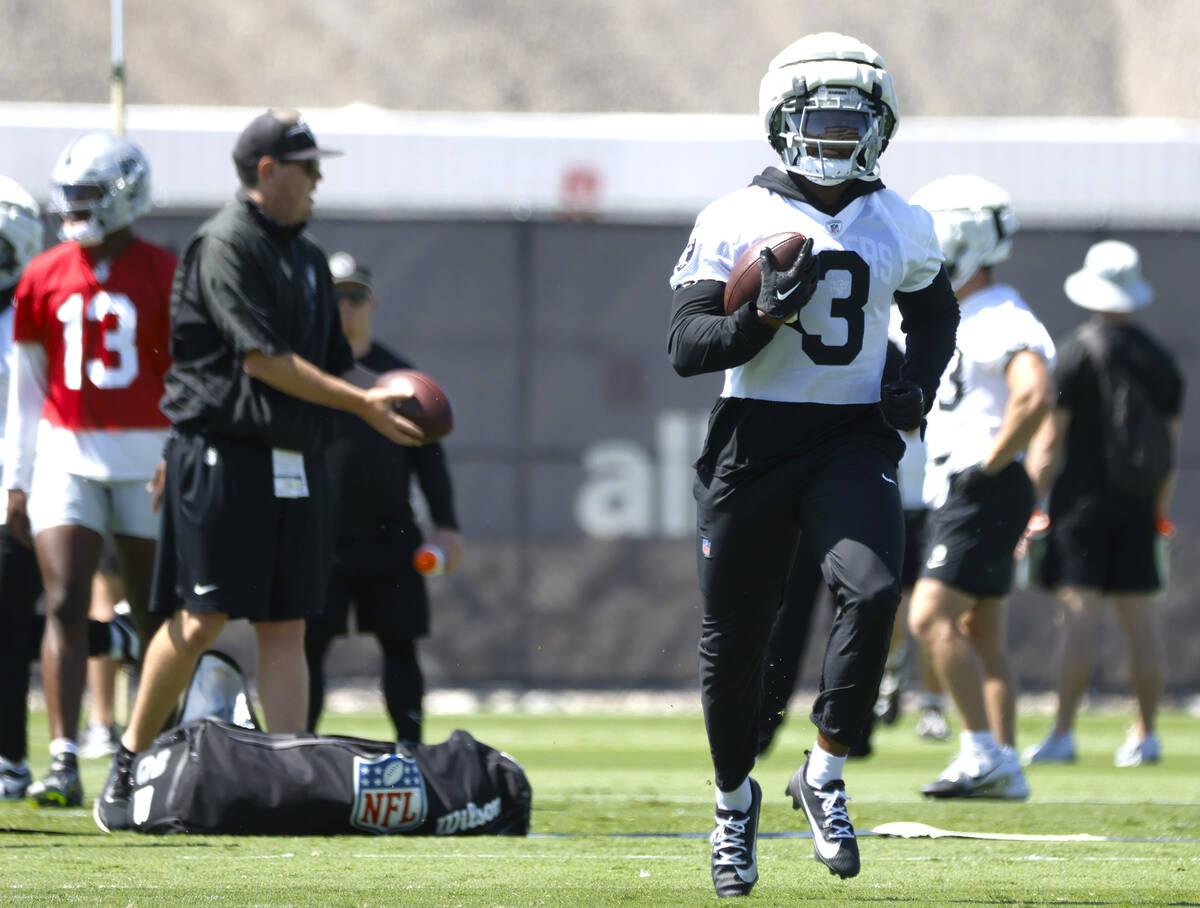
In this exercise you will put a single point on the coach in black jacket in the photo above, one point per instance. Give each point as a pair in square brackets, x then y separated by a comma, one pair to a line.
[257, 346]
[377, 532]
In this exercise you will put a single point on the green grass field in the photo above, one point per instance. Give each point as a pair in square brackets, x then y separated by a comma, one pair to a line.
[621, 809]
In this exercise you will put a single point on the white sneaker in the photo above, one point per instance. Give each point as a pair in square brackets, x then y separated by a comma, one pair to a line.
[14, 779]
[99, 741]
[994, 774]
[932, 725]
[1054, 749]
[1138, 751]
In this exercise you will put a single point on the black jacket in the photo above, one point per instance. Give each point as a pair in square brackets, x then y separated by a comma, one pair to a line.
[247, 283]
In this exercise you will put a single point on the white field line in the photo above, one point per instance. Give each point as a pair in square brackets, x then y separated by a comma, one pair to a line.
[896, 802]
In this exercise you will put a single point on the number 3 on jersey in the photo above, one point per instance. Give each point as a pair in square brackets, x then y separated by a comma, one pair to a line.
[119, 341]
[849, 308]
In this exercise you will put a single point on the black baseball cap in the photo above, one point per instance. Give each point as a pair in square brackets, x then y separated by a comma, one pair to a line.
[283, 135]
[346, 269]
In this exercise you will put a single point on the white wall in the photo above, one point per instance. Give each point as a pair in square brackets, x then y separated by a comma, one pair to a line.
[1060, 172]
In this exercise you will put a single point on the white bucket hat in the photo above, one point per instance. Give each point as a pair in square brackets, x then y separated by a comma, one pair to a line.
[1110, 280]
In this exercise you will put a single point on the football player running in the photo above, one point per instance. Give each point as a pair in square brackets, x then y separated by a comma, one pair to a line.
[802, 447]
[85, 433]
[989, 405]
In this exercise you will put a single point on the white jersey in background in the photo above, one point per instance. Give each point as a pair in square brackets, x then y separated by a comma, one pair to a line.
[911, 471]
[834, 353]
[995, 325]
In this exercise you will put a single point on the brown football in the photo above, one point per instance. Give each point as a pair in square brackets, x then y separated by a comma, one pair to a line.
[429, 407]
[745, 279]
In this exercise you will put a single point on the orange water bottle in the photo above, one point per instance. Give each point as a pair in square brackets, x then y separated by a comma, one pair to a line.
[429, 560]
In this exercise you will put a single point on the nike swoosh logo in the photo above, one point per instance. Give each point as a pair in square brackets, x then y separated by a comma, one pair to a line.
[825, 848]
[885, 479]
[747, 876]
[783, 296]
[204, 590]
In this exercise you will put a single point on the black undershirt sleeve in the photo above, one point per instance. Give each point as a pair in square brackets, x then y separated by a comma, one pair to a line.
[930, 324]
[704, 339]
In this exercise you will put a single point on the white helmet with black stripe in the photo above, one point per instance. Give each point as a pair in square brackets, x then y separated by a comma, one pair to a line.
[100, 185]
[974, 220]
[829, 108]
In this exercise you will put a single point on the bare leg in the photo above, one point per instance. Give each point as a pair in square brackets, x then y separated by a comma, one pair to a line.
[282, 675]
[985, 627]
[136, 557]
[933, 619]
[1080, 610]
[1139, 620]
[67, 556]
[102, 671]
[168, 665]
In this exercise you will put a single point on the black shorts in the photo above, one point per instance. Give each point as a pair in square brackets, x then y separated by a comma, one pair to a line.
[228, 545]
[1103, 544]
[969, 540]
[388, 606]
[914, 546]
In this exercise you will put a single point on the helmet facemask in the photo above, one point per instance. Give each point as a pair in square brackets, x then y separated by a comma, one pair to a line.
[830, 135]
[101, 185]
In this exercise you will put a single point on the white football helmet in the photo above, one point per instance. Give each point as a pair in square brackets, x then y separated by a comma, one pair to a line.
[20, 231]
[100, 184]
[829, 108]
[974, 220]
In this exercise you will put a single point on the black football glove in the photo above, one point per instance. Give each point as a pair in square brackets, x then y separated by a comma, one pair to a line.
[903, 405]
[784, 293]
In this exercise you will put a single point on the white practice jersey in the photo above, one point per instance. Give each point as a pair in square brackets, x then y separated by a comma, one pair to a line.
[995, 325]
[911, 472]
[834, 353]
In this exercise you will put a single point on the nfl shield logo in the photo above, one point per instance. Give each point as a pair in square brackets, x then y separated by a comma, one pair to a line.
[834, 228]
[389, 794]
[705, 547]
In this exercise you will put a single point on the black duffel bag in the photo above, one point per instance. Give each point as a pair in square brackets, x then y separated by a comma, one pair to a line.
[212, 776]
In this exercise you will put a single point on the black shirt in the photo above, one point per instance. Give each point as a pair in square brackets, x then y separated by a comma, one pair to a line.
[372, 477]
[248, 283]
[1082, 470]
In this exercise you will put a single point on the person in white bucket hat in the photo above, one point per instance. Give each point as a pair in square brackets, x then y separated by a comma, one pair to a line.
[1110, 280]
[1120, 391]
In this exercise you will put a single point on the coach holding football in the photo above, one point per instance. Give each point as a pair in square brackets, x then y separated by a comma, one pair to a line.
[257, 346]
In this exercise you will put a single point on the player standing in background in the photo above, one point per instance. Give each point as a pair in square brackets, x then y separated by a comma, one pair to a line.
[931, 721]
[801, 449]
[85, 433]
[1102, 534]
[990, 402]
[377, 532]
[258, 347]
[20, 580]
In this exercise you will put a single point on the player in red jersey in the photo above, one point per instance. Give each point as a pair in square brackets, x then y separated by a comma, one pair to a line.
[85, 434]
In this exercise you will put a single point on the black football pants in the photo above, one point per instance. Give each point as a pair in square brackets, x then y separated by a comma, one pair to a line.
[20, 588]
[843, 504]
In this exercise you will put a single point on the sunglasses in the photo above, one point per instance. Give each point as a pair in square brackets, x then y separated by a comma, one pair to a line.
[356, 296]
[311, 166]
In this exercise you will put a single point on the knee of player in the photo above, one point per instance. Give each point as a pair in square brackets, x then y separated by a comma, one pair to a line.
[926, 621]
[195, 632]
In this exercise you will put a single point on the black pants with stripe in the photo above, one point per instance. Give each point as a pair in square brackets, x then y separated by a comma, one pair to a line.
[839, 500]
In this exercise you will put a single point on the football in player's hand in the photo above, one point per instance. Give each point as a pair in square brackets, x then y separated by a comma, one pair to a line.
[745, 280]
[429, 407]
